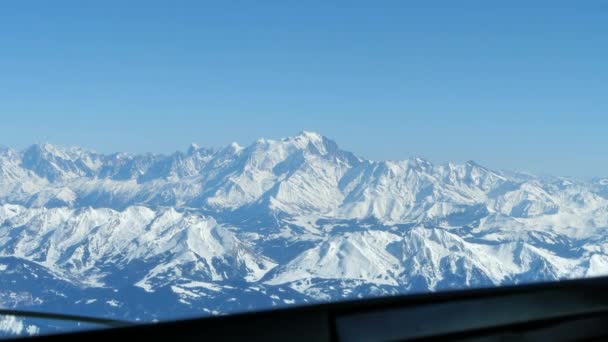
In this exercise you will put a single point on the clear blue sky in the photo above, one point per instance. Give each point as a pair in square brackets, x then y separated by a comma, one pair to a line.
[515, 87]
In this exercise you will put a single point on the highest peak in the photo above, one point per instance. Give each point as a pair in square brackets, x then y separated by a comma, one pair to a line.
[311, 141]
[319, 144]
[309, 136]
[302, 138]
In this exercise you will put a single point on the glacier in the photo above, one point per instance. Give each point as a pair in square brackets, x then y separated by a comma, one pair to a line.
[298, 220]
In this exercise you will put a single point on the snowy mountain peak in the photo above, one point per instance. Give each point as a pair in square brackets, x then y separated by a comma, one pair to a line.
[279, 221]
[228, 152]
[52, 162]
[310, 135]
[308, 141]
[48, 150]
[308, 138]
[421, 163]
[234, 146]
[193, 148]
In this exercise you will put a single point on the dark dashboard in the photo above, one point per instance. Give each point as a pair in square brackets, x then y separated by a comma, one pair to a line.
[573, 310]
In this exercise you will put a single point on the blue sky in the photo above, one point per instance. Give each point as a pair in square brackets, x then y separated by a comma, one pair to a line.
[515, 87]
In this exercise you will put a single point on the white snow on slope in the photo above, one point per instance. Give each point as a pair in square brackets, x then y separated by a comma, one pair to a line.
[298, 212]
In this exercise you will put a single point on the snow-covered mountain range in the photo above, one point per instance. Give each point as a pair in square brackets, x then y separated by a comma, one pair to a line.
[278, 222]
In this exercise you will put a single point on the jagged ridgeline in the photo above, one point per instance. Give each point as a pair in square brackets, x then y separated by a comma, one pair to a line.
[279, 222]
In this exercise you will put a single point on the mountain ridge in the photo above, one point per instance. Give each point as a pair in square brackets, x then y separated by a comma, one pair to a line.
[279, 222]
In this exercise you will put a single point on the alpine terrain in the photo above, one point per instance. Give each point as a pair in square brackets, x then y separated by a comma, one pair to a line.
[279, 222]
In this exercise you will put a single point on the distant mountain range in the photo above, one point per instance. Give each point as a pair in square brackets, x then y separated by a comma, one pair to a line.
[280, 222]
